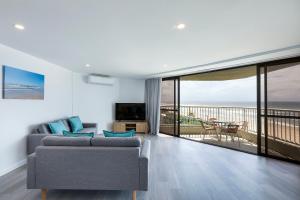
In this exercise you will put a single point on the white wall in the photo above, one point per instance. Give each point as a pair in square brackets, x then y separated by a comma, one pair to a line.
[17, 116]
[131, 90]
[95, 103]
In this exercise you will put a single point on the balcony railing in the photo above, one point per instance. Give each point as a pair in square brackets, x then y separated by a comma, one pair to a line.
[283, 125]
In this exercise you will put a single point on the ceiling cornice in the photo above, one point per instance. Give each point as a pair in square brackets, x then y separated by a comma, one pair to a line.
[255, 58]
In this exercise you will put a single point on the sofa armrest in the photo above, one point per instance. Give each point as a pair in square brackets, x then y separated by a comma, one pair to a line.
[89, 125]
[31, 171]
[34, 140]
[144, 165]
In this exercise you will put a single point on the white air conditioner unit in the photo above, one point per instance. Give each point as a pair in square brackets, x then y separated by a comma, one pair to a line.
[101, 80]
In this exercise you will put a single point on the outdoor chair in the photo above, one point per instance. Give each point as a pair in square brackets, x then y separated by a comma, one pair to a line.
[244, 126]
[231, 130]
[212, 121]
[208, 129]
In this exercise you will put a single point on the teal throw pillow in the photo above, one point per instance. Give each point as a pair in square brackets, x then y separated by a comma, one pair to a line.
[70, 134]
[57, 127]
[130, 133]
[75, 123]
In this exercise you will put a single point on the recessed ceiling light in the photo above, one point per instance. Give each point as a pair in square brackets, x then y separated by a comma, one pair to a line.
[19, 26]
[180, 26]
[87, 65]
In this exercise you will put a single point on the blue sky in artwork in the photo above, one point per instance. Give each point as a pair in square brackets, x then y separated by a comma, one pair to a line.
[17, 76]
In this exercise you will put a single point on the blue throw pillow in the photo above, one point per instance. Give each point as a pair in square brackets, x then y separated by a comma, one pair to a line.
[70, 134]
[57, 127]
[75, 123]
[130, 133]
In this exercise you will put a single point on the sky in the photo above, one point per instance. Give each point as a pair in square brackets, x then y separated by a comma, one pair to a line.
[283, 86]
[241, 90]
[17, 76]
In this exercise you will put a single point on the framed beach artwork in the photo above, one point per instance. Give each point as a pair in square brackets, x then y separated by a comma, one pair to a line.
[21, 84]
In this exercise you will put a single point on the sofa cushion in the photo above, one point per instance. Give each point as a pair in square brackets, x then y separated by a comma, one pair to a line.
[44, 128]
[116, 142]
[88, 130]
[70, 134]
[66, 141]
[57, 127]
[75, 123]
[67, 124]
[130, 133]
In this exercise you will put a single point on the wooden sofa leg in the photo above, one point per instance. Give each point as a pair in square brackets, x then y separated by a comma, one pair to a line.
[134, 195]
[44, 194]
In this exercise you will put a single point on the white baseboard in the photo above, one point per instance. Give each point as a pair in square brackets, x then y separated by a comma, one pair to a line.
[13, 167]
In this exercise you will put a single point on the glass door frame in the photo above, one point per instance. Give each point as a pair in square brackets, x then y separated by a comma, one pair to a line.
[176, 105]
[263, 68]
[259, 66]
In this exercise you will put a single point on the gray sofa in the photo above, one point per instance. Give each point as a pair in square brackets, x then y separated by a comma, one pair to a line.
[85, 163]
[43, 130]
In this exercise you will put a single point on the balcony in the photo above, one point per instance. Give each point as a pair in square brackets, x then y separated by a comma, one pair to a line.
[215, 125]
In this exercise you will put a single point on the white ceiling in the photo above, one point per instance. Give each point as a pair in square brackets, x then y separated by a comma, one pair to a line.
[135, 38]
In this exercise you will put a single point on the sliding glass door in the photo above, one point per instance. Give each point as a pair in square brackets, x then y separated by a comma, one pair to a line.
[169, 109]
[280, 109]
[254, 108]
[219, 108]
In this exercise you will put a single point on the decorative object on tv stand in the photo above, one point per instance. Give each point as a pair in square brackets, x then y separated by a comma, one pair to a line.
[21, 84]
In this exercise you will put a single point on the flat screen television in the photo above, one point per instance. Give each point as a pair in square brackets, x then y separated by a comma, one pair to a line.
[130, 111]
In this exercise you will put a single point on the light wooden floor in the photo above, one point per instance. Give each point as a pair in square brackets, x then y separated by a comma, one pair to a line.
[183, 169]
[242, 145]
